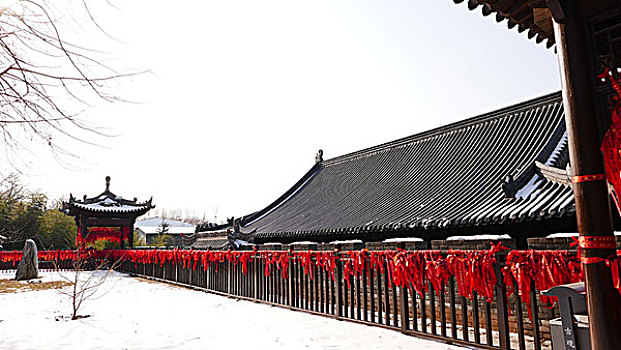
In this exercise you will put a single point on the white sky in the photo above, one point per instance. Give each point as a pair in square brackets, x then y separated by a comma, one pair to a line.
[243, 93]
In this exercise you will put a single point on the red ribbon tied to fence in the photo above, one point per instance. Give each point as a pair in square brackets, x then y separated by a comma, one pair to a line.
[474, 271]
[545, 268]
[611, 144]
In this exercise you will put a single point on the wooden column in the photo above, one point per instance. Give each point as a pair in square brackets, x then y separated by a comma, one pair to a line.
[131, 234]
[122, 230]
[83, 227]
[591, 197]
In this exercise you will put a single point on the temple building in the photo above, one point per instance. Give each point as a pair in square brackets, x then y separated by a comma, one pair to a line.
[504, 172]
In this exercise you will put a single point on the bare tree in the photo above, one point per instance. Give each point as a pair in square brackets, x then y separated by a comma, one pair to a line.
[45, 79]
[88, 275]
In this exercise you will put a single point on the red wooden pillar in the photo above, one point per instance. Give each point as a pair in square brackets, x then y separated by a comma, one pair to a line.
[122, 234]
[82, 231]
[591, 197]
[128, 231]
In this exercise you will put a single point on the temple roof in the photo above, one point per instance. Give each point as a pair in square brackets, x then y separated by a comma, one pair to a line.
[532, 16]
[498, 170]
[106, 202]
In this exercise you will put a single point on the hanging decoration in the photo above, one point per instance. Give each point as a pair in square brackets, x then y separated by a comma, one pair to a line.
[611, 145]
[474, 271]
[546, 268]
[109, 234]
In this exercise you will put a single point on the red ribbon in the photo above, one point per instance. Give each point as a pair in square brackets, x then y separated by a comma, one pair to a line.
[586, 178]
[546, 268]
[594, 242]
[473, 270]
[611, 144]
[110, 234]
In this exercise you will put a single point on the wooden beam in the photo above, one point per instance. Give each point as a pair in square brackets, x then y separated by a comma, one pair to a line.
[591, 197]
[537, 3]
[543, 19]
[557, 10]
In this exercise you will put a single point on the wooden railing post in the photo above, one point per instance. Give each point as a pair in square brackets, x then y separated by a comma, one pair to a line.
[339, 287]
[501, 307]
[404, 310]
[290, 283]
[535, 315]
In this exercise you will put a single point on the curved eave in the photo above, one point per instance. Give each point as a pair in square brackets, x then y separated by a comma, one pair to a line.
[517, 14]
[420, 229]
[78, 207]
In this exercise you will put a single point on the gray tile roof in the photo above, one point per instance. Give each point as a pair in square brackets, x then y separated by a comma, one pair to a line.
[106, 203]
[157, 222]
[498, 170]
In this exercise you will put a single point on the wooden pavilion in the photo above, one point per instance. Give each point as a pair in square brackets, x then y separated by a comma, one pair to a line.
[106, 216]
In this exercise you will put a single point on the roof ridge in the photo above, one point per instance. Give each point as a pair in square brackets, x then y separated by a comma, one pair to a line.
[456, 126]
[251, 218]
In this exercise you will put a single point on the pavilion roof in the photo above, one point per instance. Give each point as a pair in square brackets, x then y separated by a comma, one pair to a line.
[498, 169]
[106, 203]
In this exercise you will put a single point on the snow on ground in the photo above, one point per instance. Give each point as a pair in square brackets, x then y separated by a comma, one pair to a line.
[132, 313]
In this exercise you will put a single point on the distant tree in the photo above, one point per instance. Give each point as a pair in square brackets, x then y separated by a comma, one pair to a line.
[11, 195]
[26, 215]
[163, 228]
[29, 215]
[21, 213]
[162, 240]
[57, 230]
[139, 240]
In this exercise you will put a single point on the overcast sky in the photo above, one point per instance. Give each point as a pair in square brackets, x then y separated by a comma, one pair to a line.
[242, 94]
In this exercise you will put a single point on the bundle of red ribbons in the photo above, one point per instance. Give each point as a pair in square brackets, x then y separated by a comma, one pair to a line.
[110, 234]
[546, 268]
[611, 144]
[14, 257]
[474, 271]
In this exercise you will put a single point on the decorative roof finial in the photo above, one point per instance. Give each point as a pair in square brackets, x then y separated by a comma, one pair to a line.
[107, 183]
[319, 157]
[509, 187]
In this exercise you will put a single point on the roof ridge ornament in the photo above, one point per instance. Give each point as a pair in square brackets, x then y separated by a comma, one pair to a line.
[319, 157]
[108, 183]
[509, 186]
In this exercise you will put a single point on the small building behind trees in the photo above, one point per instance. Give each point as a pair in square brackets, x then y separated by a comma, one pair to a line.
[154, 228]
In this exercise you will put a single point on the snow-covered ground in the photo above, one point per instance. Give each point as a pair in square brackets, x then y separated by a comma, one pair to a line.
[132, 313]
